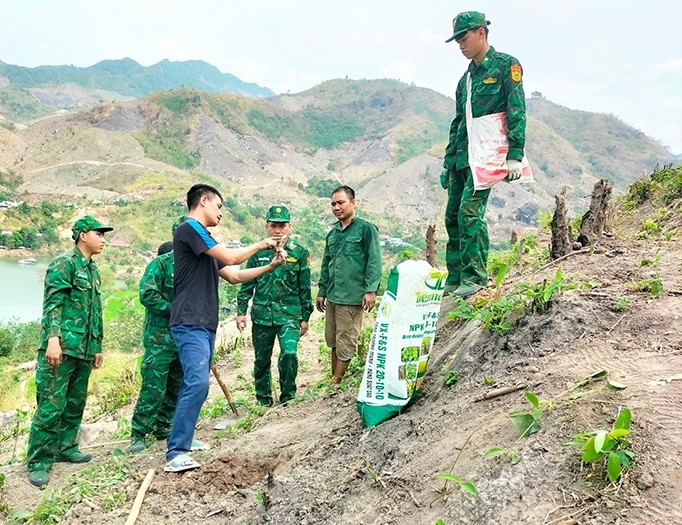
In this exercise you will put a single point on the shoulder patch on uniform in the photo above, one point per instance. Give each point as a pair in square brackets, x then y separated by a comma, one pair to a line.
[489, 80]
[292, 259]
[516, 73]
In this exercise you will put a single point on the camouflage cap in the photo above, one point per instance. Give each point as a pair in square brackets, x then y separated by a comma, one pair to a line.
[278, 213]
[86, 224]
[465, 21]
[177, 223]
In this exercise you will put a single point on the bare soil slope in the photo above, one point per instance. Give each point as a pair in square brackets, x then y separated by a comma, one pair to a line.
[314, 463]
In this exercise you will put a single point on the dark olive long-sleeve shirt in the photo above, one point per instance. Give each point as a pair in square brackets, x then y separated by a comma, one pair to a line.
[351, 264]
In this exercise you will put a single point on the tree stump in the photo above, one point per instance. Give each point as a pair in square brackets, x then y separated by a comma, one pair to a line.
[431, 253]
[561, 243]
[594, 220]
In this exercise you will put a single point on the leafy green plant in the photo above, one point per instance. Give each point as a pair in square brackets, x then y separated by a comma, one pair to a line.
[498, 315]
[466, 486]
[450, 376]
[621, 304]
[540, 295]
[527, 422]
[652, 284]
[261, 498]
[649, 228]
[609, 447]
[487, 380]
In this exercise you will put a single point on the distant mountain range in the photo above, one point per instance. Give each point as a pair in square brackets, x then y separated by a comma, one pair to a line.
[127, 78]
[112, 129]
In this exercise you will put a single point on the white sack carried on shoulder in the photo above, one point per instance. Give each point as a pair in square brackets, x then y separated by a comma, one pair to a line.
[488, 148]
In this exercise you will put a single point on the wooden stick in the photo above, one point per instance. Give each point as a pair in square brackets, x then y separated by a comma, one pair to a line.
[571, 254]
[225, 390]
[501, 392]
[137, 505]
[107, 444]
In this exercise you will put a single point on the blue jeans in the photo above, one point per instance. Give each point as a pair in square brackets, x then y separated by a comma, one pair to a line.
[195, 346]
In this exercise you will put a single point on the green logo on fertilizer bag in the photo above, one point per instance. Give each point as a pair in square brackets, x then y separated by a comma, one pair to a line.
[436, 280]
[385, 309]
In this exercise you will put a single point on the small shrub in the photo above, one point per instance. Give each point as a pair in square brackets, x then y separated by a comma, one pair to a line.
[609, 447]
[621, 304]
[450, 376]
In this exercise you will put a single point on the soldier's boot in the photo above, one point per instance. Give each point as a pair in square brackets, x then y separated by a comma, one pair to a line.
[39, 478]
[137, 445]
[465, 290]
[73, 457]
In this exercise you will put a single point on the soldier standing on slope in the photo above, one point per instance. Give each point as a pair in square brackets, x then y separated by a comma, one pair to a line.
[496, 87]
[161, 369]
[282, 304]
[70, 347]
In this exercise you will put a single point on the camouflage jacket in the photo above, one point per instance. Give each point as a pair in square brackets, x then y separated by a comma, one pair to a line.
[496, 87]
[72, 306]
[156, 295]
[282, 295]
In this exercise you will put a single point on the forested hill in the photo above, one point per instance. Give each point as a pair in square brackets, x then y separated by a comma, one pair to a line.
[383, 137]
[121, 79]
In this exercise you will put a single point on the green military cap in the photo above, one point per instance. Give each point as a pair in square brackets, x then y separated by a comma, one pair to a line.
[86, 224]
[465, 21]
[278, 213]
[177, 224]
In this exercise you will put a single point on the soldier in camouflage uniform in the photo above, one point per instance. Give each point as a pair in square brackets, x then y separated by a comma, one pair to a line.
[496, 87]
[282, 304]
[161, 369]
[70, 346]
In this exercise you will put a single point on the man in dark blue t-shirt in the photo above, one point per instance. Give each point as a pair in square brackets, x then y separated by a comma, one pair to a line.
[199, 261]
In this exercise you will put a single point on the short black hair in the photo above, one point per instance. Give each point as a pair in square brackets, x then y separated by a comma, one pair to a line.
[350, 192]
[199, 190]
[165, 248]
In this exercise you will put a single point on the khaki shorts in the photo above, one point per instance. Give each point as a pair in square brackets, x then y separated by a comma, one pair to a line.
[342, 327]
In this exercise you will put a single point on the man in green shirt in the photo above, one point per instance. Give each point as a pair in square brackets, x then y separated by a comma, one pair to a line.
[281, 308]
[496, 87]
[70, 347]
[349, 279]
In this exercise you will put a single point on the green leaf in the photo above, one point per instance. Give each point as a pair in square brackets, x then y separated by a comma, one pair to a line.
[617, 433]
[532, 398]
[469, 487]
[500, 275]
[524, 423]
[20, 516]
[494, 452]
[613, 467]
[515, 458]
[624, 459]
[595, 376]
[450, 477]
[575, 442]
[623, 420]
[656, 288]
[599, 441]
[117, 453]
[537, 414]
[613, 385]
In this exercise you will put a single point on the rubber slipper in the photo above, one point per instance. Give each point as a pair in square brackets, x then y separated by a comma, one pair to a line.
[180, 464]
[199, 445]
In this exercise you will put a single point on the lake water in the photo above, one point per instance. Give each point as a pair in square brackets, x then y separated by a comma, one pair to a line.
[21, 290]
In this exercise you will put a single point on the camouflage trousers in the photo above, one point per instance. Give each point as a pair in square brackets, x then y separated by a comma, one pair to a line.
[466, 254]
[61, 393]
[161, 381]
[287, 364]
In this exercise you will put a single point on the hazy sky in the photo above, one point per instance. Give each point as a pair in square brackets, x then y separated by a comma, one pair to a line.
[614, 56]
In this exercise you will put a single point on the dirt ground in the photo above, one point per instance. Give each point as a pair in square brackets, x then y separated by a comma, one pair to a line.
[314, 463]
